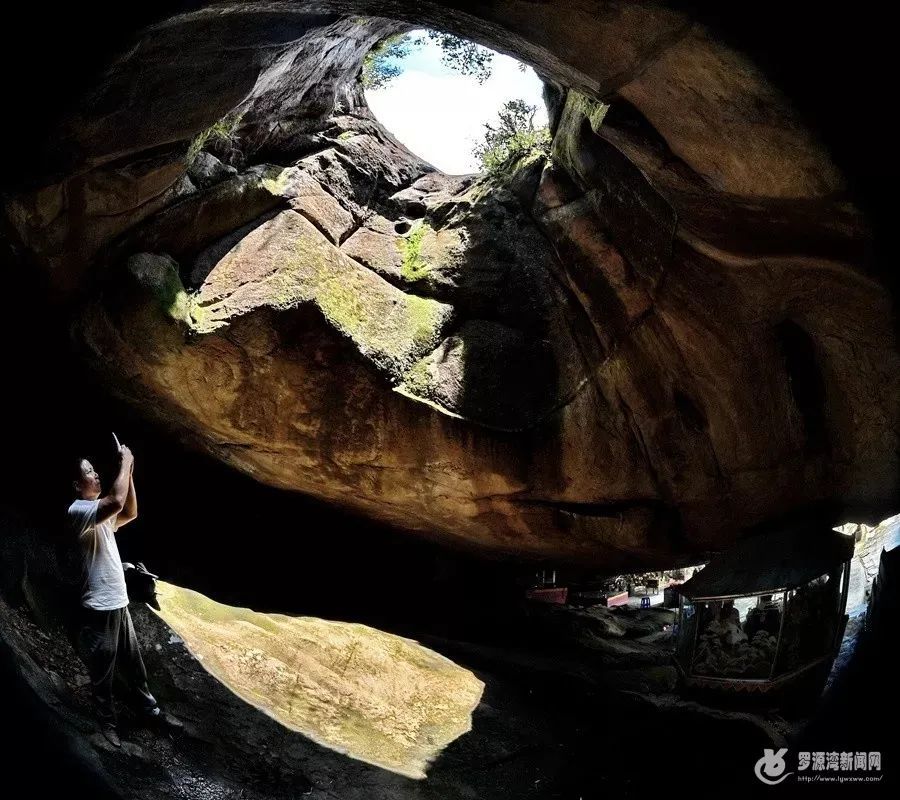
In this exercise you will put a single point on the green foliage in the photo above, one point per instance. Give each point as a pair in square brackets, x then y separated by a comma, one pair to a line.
[464, 56]
[515, 138]
[222, 130]
[381, 64]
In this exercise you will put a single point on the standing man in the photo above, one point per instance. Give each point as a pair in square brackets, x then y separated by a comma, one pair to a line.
[105, 638]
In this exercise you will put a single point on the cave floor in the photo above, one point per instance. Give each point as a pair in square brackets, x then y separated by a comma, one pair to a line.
[534, 735]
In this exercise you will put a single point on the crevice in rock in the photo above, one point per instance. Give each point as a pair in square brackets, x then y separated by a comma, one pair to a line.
[639, 438]
[687, 409]
[805, 381]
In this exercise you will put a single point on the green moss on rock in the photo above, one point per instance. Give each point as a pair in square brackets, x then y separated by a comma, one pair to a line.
[414, 267]
[418, 380]
[343, 305]
[159, 274]
[198, 315]
[275, 181]
[287, 262]
[594, 110]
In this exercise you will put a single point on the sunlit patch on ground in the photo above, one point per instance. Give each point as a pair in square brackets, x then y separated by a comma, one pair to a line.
[374, 696]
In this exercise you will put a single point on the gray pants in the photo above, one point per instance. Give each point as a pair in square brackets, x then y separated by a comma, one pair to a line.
[108, 646]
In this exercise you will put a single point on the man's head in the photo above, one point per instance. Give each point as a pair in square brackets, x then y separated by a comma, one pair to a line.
[87, 481]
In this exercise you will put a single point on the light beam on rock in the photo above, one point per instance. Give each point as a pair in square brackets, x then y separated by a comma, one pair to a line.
[371, 695]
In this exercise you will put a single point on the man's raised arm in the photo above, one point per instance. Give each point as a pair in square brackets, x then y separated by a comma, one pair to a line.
[129, 510]
[114, 502]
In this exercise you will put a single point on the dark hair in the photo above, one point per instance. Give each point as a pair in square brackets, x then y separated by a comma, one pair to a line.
[77, 473]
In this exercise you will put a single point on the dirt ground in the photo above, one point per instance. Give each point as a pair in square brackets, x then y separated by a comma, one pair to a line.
[539, 732]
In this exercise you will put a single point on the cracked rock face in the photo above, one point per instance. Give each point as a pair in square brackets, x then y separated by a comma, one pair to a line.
[670, 332]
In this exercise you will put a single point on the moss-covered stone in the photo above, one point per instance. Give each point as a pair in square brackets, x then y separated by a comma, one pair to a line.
[286, 262]
[593, 110]
[414, 267]
[159, 274]
[418, 380]
[275, 181]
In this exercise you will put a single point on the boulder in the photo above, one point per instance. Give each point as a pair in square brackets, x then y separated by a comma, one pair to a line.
[206, 170]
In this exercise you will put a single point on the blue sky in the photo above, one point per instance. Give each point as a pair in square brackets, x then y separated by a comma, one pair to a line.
[439, 114]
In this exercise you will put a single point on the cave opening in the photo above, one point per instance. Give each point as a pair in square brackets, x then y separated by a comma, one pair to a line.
[870, 540]
[461, 106]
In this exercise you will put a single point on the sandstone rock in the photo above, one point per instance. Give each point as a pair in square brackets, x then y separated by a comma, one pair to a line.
[159, 274]
[67, 223]
[601, 355]
[302, 400]
[308, 197]
[672, 333]
[596, 271]
[377, 250]
[359, 170]
[488, 373]
[430, 193]
[286, 666]
[286, 262]
[200, 219]
[617, 193]
[780, 158]
[206, 170]
[212, 254]
[183, 188]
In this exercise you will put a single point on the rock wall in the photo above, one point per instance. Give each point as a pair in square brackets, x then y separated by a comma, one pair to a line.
[673, 331]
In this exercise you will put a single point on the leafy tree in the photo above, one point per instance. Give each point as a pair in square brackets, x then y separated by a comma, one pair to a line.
[513, 138]
[463, 56]
[381, 66]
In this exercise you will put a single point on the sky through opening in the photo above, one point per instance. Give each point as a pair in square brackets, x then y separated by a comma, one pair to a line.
[439, 114]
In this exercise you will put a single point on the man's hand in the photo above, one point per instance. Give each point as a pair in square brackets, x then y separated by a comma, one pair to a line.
[126, 457]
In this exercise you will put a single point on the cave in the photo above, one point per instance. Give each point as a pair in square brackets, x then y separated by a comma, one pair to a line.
[401, 434]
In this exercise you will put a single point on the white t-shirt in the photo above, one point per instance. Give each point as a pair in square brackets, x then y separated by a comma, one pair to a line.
[104, 580]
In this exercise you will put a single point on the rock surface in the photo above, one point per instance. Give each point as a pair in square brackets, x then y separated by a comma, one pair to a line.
[379, 698]
[206, 170]
[534, 734]
[672, 333]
